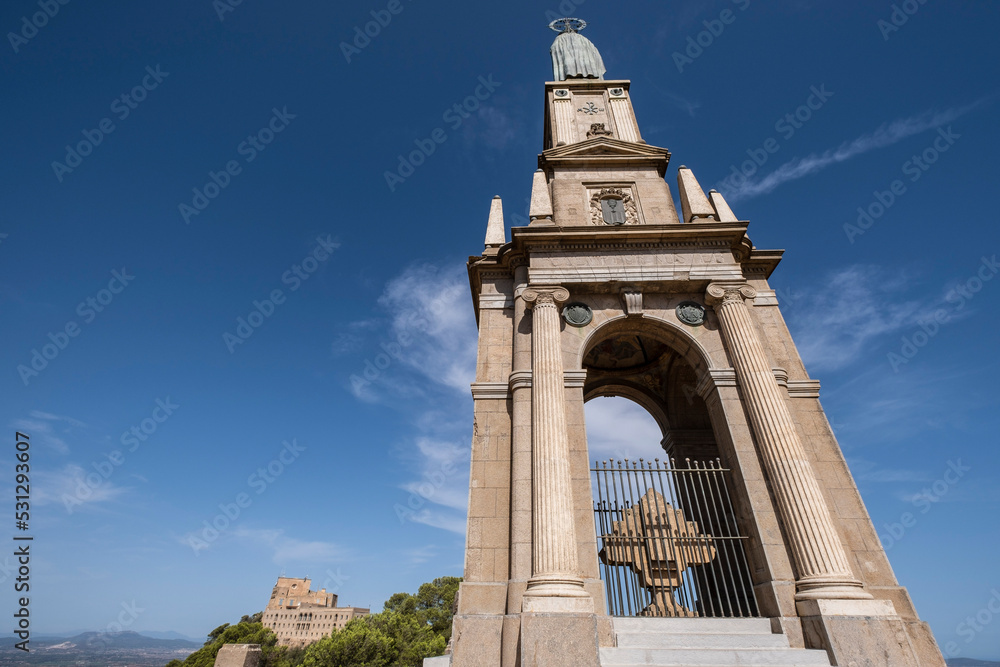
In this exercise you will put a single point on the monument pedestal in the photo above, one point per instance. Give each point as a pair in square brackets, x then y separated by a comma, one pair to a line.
[559, 639]
[857, 632]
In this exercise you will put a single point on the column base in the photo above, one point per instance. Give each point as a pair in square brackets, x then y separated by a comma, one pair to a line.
[853, 631]
[555, 593]
[830, 588]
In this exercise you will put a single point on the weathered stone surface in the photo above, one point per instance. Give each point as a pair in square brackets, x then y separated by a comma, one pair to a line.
[864, 632]
[238, 655]
[476, 640]
[731, 386]
[559, 639]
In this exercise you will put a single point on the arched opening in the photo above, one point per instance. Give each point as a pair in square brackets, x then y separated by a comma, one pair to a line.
[640, 361]
[619, 428]
[668, 539]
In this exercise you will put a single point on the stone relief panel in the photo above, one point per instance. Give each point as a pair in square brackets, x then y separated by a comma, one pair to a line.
[613, 205]
[589, 109]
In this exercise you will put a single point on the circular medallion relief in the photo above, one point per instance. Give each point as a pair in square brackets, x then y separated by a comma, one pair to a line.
[691, 312]
[577, 314]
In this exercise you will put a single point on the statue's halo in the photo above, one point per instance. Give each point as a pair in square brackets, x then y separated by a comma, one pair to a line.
[568, 25]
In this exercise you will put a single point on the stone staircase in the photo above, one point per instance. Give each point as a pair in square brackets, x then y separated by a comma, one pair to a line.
[716, 642]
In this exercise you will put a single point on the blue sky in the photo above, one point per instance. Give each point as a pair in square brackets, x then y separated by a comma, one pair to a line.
[362, 484]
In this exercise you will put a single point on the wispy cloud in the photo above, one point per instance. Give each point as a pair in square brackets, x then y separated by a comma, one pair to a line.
[617, 429]
[440, 496]
[886, 135]
[837, 323]
[48, 429]
[420, 554]
[437, 302]
[288, 549]
[73, 487]
[868, 471]
[493, 127]
[432, 333]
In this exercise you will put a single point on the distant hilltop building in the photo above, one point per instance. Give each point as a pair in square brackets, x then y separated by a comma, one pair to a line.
[300, 616]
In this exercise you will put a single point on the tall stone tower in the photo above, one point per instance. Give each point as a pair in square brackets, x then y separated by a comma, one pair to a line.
[757, 547]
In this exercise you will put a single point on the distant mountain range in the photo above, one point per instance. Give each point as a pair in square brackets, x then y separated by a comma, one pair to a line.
[114, 650]
[970, 662]
[64, 636]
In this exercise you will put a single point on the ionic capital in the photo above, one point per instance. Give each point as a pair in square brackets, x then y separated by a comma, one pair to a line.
[721, 293]
[540, 295]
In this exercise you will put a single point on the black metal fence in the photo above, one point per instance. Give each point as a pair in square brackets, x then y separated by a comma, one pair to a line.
[668, 539]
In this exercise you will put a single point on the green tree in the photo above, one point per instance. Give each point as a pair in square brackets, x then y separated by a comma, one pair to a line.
[415, 638]
[241, 633]
[357, 644]
[214, 634]
[431, 605]
[253, 618]
[411, 628]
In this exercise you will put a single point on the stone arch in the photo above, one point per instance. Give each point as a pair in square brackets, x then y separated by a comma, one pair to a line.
[657, 365]
[669, 332]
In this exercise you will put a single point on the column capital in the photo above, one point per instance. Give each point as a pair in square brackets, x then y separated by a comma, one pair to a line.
[545, 294]
[719, 293]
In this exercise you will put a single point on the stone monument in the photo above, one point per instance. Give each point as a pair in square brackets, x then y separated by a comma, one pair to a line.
[612, 291]
[238, 655]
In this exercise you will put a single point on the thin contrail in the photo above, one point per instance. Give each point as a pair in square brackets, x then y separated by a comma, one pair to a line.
[886, 135]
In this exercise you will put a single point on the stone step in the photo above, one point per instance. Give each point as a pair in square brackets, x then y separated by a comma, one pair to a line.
[623, 657]
[728, 626]
[668, 639]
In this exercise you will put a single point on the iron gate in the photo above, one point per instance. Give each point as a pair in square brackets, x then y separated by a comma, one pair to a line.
[668, 539]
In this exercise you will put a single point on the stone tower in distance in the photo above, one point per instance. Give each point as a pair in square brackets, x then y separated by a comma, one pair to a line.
[610, 291]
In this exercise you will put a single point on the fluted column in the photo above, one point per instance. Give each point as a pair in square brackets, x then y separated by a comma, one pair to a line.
[624, 121]
[821, 562]
[565, 121]
[555, 584]
[520, 462]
